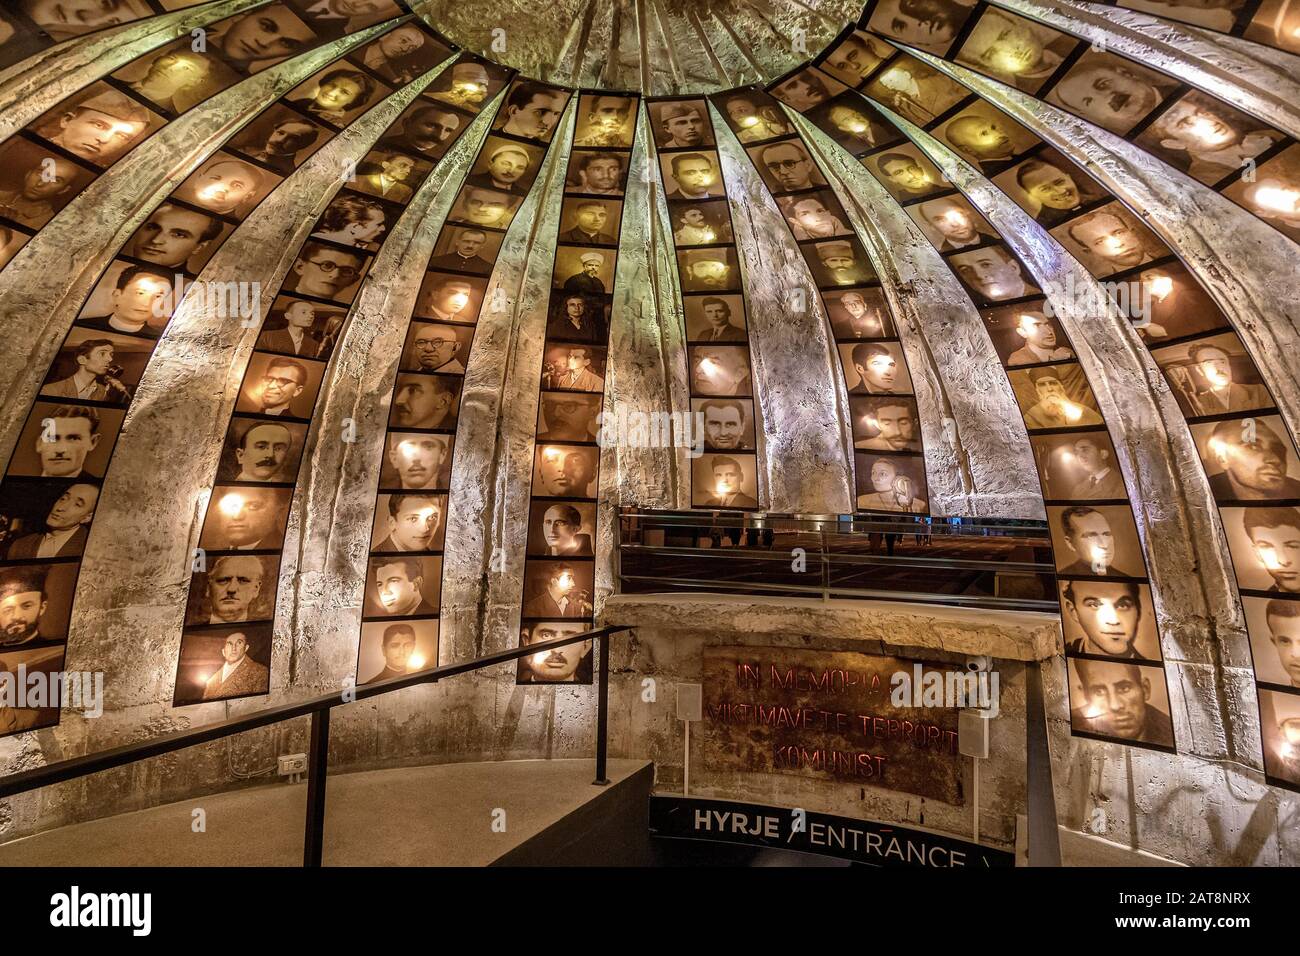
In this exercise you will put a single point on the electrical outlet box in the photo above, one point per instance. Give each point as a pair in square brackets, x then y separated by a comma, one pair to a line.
[292, 764]
[690, 701]
[973, 733]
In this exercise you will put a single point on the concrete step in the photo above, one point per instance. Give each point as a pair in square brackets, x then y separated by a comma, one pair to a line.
[408, 816]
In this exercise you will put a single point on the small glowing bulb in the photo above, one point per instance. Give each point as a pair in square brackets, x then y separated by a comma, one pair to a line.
[460, 300]
[1067, 456]
[857, 126]
[231, 504]
[566, 580]
[955, 217]
[1217, 377]
[1291, 730]
[1114, 244]
[1072, 411]
[553, 454]
[1277, 199]
[426, 513]
[415, 663]
[1268, 557]
[1093, 711]
[1160, 286]
[708, 366]
[749, 121]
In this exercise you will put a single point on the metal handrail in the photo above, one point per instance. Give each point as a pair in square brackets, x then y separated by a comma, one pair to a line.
[828, 591]
[319, 708]
[841, 557]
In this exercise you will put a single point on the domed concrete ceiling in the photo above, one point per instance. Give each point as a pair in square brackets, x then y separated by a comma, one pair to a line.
[659, 47]
[286, 281]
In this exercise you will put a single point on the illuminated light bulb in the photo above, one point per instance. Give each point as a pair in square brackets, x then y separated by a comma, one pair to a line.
[1072, 411]
[1291, 731]
[1009, 62]
[1218, 378]
[1094, 711]
[870, 421]
[1114, 244]
[213, 192]
[460, 300]
[553, 454]
[995, 291]
[1277, 199]
[749, 121]
[469, 86]
[1067, 456]
[708, 366]
[1206, 130]
[231, 504]
[955, 217]
[857, 126]
[427, 512]
[566, 580]
[709, 235]
[1217, 447]
[416, 662]
[539, 658]
[1098, 554]
[1160, 286]
[1268, 558]
[1285, 751]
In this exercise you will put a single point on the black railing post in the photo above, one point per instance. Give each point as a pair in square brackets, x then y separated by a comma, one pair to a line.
[313, 841]
[602, 710]
[1040, 804]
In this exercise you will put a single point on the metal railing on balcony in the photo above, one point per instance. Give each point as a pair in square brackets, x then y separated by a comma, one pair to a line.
[319, 709]
[993, 563]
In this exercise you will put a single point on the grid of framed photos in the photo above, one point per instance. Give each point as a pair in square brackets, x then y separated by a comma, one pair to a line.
[1237, 155]
[226, 645]
[889, 460]
[48, 496]
[400, 613]
[1248, 452]
[559, 566]
[1118, 686]
[48, 164]
[30, 26]
[713, 299]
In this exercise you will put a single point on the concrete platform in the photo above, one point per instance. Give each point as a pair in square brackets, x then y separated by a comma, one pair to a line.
[410, 816]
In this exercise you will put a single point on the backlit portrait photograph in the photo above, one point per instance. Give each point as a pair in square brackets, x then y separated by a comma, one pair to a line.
[723, 480]
[570, 664]
[223, 663]
[1095, 541]
[1078, 467]
[891, 483]
[561, 528]
[1121, 701]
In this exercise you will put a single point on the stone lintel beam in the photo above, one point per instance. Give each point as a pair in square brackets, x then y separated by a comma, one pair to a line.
[901, 627]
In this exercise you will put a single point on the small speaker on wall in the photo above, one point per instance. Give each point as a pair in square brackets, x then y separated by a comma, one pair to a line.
[690, 701]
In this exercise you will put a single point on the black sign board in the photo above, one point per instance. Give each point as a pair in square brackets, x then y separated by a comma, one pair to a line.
[862, 841]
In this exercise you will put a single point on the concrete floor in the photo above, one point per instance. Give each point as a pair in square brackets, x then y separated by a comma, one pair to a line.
[409, 816]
